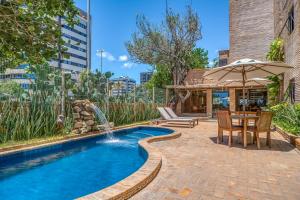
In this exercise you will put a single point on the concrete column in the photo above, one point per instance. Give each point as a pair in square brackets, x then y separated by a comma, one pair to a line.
[209, 103]
[232, 99]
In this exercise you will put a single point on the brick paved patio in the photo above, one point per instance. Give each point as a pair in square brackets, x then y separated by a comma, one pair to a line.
[195, 167]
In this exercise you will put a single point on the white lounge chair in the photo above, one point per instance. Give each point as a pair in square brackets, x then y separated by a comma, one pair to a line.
[168, 118]
[174, 116]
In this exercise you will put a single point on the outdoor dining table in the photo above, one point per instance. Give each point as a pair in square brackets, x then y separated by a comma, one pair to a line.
[245, 118]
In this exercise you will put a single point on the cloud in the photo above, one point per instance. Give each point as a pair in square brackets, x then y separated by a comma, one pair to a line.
[128, 65]
[123, 58]
[106, 55]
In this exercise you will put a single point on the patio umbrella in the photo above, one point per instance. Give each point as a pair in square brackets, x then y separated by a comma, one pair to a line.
[248, 83]
[246, 69]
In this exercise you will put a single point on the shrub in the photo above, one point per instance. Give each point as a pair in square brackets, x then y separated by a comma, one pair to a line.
[287, 116]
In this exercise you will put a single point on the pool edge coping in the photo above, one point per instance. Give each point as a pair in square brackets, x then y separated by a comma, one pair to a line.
[134, 183]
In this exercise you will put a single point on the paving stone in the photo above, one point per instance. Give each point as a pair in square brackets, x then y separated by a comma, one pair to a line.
[195, 167]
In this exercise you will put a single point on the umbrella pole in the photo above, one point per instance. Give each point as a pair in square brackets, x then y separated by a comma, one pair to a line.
[244, 97]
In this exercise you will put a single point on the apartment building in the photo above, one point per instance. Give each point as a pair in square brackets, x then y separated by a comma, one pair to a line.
[76, 44]
[254, 24]
[122, 85]
[145, 77]
[287, 27]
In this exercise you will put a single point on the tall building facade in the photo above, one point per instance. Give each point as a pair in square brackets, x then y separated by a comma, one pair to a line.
[76, 44]
[122, 85]
[145, 77]
[287, 27]
[251, 27]
[254, 24]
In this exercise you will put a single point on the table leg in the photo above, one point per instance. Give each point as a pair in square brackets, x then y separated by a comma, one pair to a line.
[245, 132]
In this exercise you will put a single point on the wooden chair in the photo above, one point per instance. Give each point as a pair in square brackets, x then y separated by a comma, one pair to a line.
[225, 123]
[263, 124]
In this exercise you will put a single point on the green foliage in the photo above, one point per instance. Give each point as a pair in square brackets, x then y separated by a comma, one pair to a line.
[29, 33]
[215, 62]
[32, 118]
[9, 89]
[276, 51]
[92, 85]
[273, 90]
[198, 58]
[160, 78]
[287, 116]
[125, 112]
[169, 44]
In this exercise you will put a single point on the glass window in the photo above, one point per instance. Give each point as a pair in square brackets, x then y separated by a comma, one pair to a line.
[290, 21]
[292, 90]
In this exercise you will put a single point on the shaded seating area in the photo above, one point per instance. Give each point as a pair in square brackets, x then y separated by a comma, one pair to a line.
[261, 123]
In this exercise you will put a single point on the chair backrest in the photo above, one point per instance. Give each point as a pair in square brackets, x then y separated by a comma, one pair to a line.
[264, 122]
[224, 119]
[171, 112]
[163, 113]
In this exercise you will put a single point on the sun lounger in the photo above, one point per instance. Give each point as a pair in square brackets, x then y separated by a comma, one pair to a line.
[169, 119]
[174, 116]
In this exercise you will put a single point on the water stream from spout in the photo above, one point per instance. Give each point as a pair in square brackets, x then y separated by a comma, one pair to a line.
[100, 116]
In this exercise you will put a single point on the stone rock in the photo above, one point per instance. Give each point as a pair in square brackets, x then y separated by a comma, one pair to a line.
[89, 128]
[76, 109]
[90, 122]
[101, 127]
[88, 107]
[83, 130]
[75, 131]
[78, 125]
[85, 113]
[297, 143]
[86, 118]
[95, 128]
[76, 115]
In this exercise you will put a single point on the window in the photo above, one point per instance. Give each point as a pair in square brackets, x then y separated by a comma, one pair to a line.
[290, 21]
[292, 90]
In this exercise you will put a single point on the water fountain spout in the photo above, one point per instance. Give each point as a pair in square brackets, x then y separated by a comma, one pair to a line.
[100, 116]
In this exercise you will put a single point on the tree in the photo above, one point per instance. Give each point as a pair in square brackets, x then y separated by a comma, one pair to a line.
[29, 32]
[92, 85]
[160, 78]
[215, 62]
[169, 44]
[276, 53]
[198, 58]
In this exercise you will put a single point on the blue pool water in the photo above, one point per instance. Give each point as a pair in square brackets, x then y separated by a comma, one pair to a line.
[73, 169]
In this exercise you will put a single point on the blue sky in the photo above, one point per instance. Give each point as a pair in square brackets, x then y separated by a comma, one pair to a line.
[113, 22]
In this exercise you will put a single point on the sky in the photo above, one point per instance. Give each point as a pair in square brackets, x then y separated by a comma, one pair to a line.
[114, 21]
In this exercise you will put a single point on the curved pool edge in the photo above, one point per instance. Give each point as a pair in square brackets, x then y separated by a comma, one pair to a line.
[134, 183]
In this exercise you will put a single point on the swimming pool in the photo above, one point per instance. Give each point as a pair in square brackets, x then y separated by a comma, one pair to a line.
[75, 168]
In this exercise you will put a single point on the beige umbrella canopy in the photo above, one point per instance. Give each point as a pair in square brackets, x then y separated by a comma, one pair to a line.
[246, 69]
[248, 83]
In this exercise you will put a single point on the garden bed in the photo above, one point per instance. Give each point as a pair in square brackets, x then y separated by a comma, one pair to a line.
[293, 139]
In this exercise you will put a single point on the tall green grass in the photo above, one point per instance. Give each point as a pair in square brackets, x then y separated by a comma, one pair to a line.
[122, 113]
[24, 119]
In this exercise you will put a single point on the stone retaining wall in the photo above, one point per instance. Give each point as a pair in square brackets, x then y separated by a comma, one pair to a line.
[84, 117]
